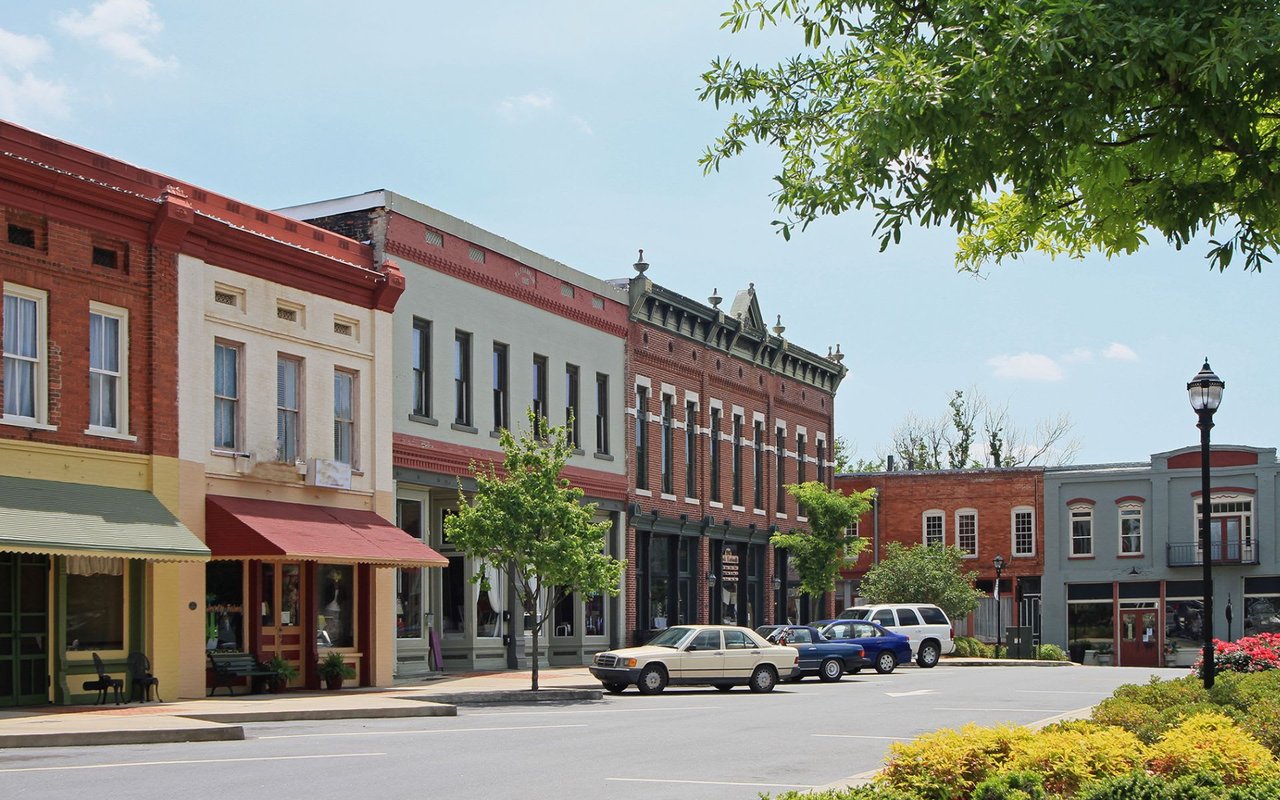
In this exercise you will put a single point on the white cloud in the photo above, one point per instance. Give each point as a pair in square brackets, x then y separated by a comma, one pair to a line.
[525, 104]
[20, 52]
[123, 28]
[1078, 356]
[1119, 352]
[1026, 367]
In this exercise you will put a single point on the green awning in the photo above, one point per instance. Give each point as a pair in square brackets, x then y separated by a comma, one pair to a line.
[74, 519]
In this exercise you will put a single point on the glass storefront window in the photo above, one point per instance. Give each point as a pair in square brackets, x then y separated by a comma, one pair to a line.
[290, 595]
[452, 590]
[335, 599]
[409, 581]
[730, 573]
[1261, 615]
[224, 601]
[95, 603]
[1090, 620]
[594, 610]
[1183, 622]
[562, 618]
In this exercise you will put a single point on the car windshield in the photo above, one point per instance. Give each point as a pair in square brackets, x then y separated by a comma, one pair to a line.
[671, 637]
[855, 613]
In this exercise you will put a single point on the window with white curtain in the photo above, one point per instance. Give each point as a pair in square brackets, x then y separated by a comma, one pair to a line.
[226, 395]
[288, 408]
[344, 417]
[25, 365]
[108, 368]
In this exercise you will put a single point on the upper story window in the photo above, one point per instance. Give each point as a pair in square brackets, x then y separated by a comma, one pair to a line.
[1230, 528]
[288, 408]
[967, 531]
[344, 417]
[539, 393]
[226, 395]
[758, 436]
[1131, 529]
[737, 459]
[501, 392]
[667, 444]
[108, 368]
[1024, 531]
[822, 461]
[713, 442]
[602, 413]
[690, 449]
[934, 528]
[801, 467]
[462, 378]
[642, 437]
[780, 467]
[26, 362]
[854, 530]
[1081, 530]
[571, 413]
[22, 235]
[421, 367]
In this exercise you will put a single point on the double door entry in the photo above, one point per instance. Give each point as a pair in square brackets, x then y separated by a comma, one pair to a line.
[24, 626]
[280, 631]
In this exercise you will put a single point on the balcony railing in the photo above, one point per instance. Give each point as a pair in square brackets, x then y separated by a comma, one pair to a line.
[1191, 555]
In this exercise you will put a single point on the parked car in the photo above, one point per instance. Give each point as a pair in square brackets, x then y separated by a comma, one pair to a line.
[885, 649]
[722, 656]
[925, 625]
[828, 660]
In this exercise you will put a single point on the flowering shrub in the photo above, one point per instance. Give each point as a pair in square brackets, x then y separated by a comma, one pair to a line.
[948, 764]
[1250, 654]
[1069, 755]
[1211, 743]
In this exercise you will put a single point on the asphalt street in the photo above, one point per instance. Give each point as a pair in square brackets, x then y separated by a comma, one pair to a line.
[685, 743]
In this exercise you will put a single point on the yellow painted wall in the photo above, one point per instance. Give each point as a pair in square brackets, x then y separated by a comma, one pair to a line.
[384, 641]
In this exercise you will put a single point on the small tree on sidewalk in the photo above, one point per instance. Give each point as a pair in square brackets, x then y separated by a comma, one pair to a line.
[922, 574]
[527, 519]
[819, 552]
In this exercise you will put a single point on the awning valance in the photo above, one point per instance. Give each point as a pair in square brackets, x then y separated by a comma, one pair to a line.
[240, 527]
[74, 519]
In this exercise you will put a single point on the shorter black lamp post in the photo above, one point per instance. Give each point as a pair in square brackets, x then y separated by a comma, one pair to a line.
[1205, 392]
[998, 563]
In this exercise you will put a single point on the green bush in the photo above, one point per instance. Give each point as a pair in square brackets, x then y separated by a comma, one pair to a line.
[1213, 743]
[855, 793]
[1050, 652]
[969, 647]
[948, 764]
[1011, 786]
[1068, 756]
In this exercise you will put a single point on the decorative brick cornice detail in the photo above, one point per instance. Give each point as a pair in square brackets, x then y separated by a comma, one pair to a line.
[490, 282]
[1129, 499]
[429, 455]
[1226, 490]
[1081, 501]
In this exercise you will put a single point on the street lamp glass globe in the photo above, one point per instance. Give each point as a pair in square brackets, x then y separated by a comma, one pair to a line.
[999, 563]
[1205, 390]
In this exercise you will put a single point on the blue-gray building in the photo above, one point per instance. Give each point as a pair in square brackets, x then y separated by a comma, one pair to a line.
[1123, 560]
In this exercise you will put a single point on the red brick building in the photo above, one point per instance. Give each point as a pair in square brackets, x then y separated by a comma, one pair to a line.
[723, 413]
[984, 512]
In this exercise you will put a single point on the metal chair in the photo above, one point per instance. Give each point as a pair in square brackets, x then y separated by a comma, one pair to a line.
[103, 683]
[141, 681]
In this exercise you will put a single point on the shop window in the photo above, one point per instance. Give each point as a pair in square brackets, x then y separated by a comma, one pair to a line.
[593, 610]
[1184, 622]
[1261, 614]
[453, 584]
[562, 617]
[335, 599]
[1092, 621]
[224, 603]
[409, 610]
[95, 603]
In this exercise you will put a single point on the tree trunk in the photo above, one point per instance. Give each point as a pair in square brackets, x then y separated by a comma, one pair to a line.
[536, 626]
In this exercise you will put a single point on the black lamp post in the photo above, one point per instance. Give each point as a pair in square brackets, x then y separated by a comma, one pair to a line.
[1205, 391]
[998, 563]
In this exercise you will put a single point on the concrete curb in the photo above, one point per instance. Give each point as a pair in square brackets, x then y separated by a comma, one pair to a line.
[216, 733]
[428, 707]
[510, 697]
[1002, 662]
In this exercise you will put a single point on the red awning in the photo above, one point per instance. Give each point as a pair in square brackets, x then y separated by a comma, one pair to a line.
[239, 527]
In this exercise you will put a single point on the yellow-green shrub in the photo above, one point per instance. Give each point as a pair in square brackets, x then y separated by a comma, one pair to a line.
[1210, 742]
[1068, 756]
[947, 764]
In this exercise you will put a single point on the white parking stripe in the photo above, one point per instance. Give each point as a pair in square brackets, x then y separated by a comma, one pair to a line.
[990, 709]
[856, 736]
[414, 732]
[717, 783]
[186, 761]
[561, 712]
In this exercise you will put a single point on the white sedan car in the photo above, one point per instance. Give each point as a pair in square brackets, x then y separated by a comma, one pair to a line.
[722, 656]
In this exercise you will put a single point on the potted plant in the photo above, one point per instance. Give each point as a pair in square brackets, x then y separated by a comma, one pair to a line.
[1103, 656]
[211, 634]
[334, 670]
[284, 672]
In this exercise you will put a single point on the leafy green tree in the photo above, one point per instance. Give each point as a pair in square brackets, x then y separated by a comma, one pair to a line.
[528, 520]
[819, 552]
[1064, 126]
[842, 453]
[922, 574]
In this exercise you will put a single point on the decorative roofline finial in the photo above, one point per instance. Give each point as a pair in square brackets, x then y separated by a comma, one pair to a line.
[715, 299]
[779, 328]
[838, 357]
[641, 265]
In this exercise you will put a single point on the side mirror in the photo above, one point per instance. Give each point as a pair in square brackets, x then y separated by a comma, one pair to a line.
[691, 648]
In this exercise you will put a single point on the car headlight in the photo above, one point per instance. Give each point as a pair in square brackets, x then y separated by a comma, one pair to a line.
[628, 662]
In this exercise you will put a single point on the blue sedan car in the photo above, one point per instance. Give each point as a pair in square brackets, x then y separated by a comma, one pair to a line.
[884, 648]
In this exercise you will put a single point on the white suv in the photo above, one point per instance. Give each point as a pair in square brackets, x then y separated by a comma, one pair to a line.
[927, 626]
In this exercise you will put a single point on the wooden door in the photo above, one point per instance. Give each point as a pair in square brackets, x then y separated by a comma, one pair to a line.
[1139, 645]
[280, 631]
[24, 627]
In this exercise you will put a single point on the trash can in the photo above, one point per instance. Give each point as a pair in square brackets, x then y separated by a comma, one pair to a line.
[1018, 642]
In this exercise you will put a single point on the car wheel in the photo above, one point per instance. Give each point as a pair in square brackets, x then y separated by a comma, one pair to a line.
[614, 687]
[724, 687]
[653, 679]
[885, 662]
[763, 679]
[928, 655]
[831, 670]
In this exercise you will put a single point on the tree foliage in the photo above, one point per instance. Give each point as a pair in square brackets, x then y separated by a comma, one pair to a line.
[922, 574]
[529, 521]
[1064, 126]
[819, 552]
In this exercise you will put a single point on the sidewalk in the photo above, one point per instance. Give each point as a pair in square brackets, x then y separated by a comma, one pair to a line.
[218, 718]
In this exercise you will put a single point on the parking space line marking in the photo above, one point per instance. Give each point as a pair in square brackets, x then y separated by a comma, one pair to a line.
[186, 761]
[716, 783]
[588, 711]
[910, 694]
[409, 731]
[1003, 710]
[856, 736]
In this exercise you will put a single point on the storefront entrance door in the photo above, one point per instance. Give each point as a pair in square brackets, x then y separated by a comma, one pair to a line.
[1138, 645]
[24, 625]
[281, 626]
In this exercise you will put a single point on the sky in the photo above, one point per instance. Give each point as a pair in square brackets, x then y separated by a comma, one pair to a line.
[574, 129]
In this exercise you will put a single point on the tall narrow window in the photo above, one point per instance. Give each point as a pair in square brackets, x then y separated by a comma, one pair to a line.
[107, 358]
[737, 459]
[967, 531]
[539, 393]
[421, 367]
[226, 396]
[24, 364]
[462, 378]
[780, 467]
[713, 442]
[1130, 530]
[934, 534]
[690, 449]
[822, 462]
[1024, 535]
[758, 465]
[602, 413]
[1082, 531]
[642, 437]
[501, 394]
[288, 408]
[344, 416]
[667, 447]
[801, 467]
[571, 413]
